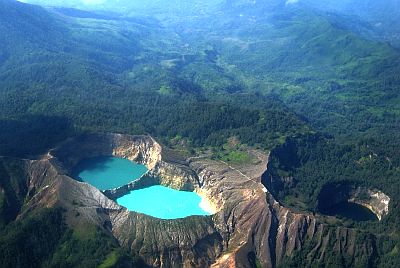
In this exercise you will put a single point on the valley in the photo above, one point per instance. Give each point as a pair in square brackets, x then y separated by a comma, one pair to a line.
[275, 123]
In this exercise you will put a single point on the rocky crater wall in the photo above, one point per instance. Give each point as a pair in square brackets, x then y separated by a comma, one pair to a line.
[250, 227]
[140, 149]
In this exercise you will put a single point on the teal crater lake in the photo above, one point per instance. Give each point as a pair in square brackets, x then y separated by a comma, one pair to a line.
[108, 172]
[163, 202]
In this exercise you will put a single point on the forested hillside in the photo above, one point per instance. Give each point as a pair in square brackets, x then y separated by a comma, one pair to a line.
[300, 79]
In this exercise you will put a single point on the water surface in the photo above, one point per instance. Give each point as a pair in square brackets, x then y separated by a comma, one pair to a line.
[163, 202]
[108, 172]
[351, 211]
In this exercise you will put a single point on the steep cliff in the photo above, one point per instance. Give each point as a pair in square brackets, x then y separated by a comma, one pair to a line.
[257, 229]
[249, 227]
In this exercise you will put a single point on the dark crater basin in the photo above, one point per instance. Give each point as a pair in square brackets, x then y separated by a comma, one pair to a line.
[350, 211]
[335, 200]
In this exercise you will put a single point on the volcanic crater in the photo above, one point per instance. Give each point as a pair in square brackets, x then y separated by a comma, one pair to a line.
[248, 226]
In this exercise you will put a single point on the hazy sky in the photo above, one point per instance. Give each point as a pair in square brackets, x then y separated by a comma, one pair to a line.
[86, 2]
[92, 2]
[288, 2]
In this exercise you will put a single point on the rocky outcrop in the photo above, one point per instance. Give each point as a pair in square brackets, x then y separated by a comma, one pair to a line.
[373, 199]
[249, 227]
[141, 149]
[255, 226]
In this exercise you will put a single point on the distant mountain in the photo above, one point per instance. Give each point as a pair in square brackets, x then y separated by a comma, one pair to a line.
[288, 49]
[135, 7]
[316, 83]
[301, 55]
[366, 8]
[27, 23]
[37, 44]
[384, 16]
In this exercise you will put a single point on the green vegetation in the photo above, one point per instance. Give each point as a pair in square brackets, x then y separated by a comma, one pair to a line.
[111, 261]
[32, 134]
[236, 157]
[41, 238]
[239, 76]
[29, 242]
[85, 247]
[13, 190]
[44, 240]
[315, 161]
[233, 152]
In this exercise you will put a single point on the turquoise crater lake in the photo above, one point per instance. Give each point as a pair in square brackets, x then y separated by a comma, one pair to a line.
[163, 202]
[107, 172]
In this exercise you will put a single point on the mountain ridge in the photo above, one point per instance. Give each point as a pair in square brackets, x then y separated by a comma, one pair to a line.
[211, 83]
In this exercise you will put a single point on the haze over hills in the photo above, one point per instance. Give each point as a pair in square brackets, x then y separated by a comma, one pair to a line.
[275, 48]
[127, 7]
[316, 84]
[382, 16]
[368, 9]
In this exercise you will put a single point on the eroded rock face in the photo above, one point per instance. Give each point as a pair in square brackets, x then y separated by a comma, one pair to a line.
[249, 227]
[255, 226]
[141, 149]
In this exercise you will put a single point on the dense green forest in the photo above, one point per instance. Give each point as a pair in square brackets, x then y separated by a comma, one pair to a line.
[315, 161]
[323, 97]
[44, 240]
